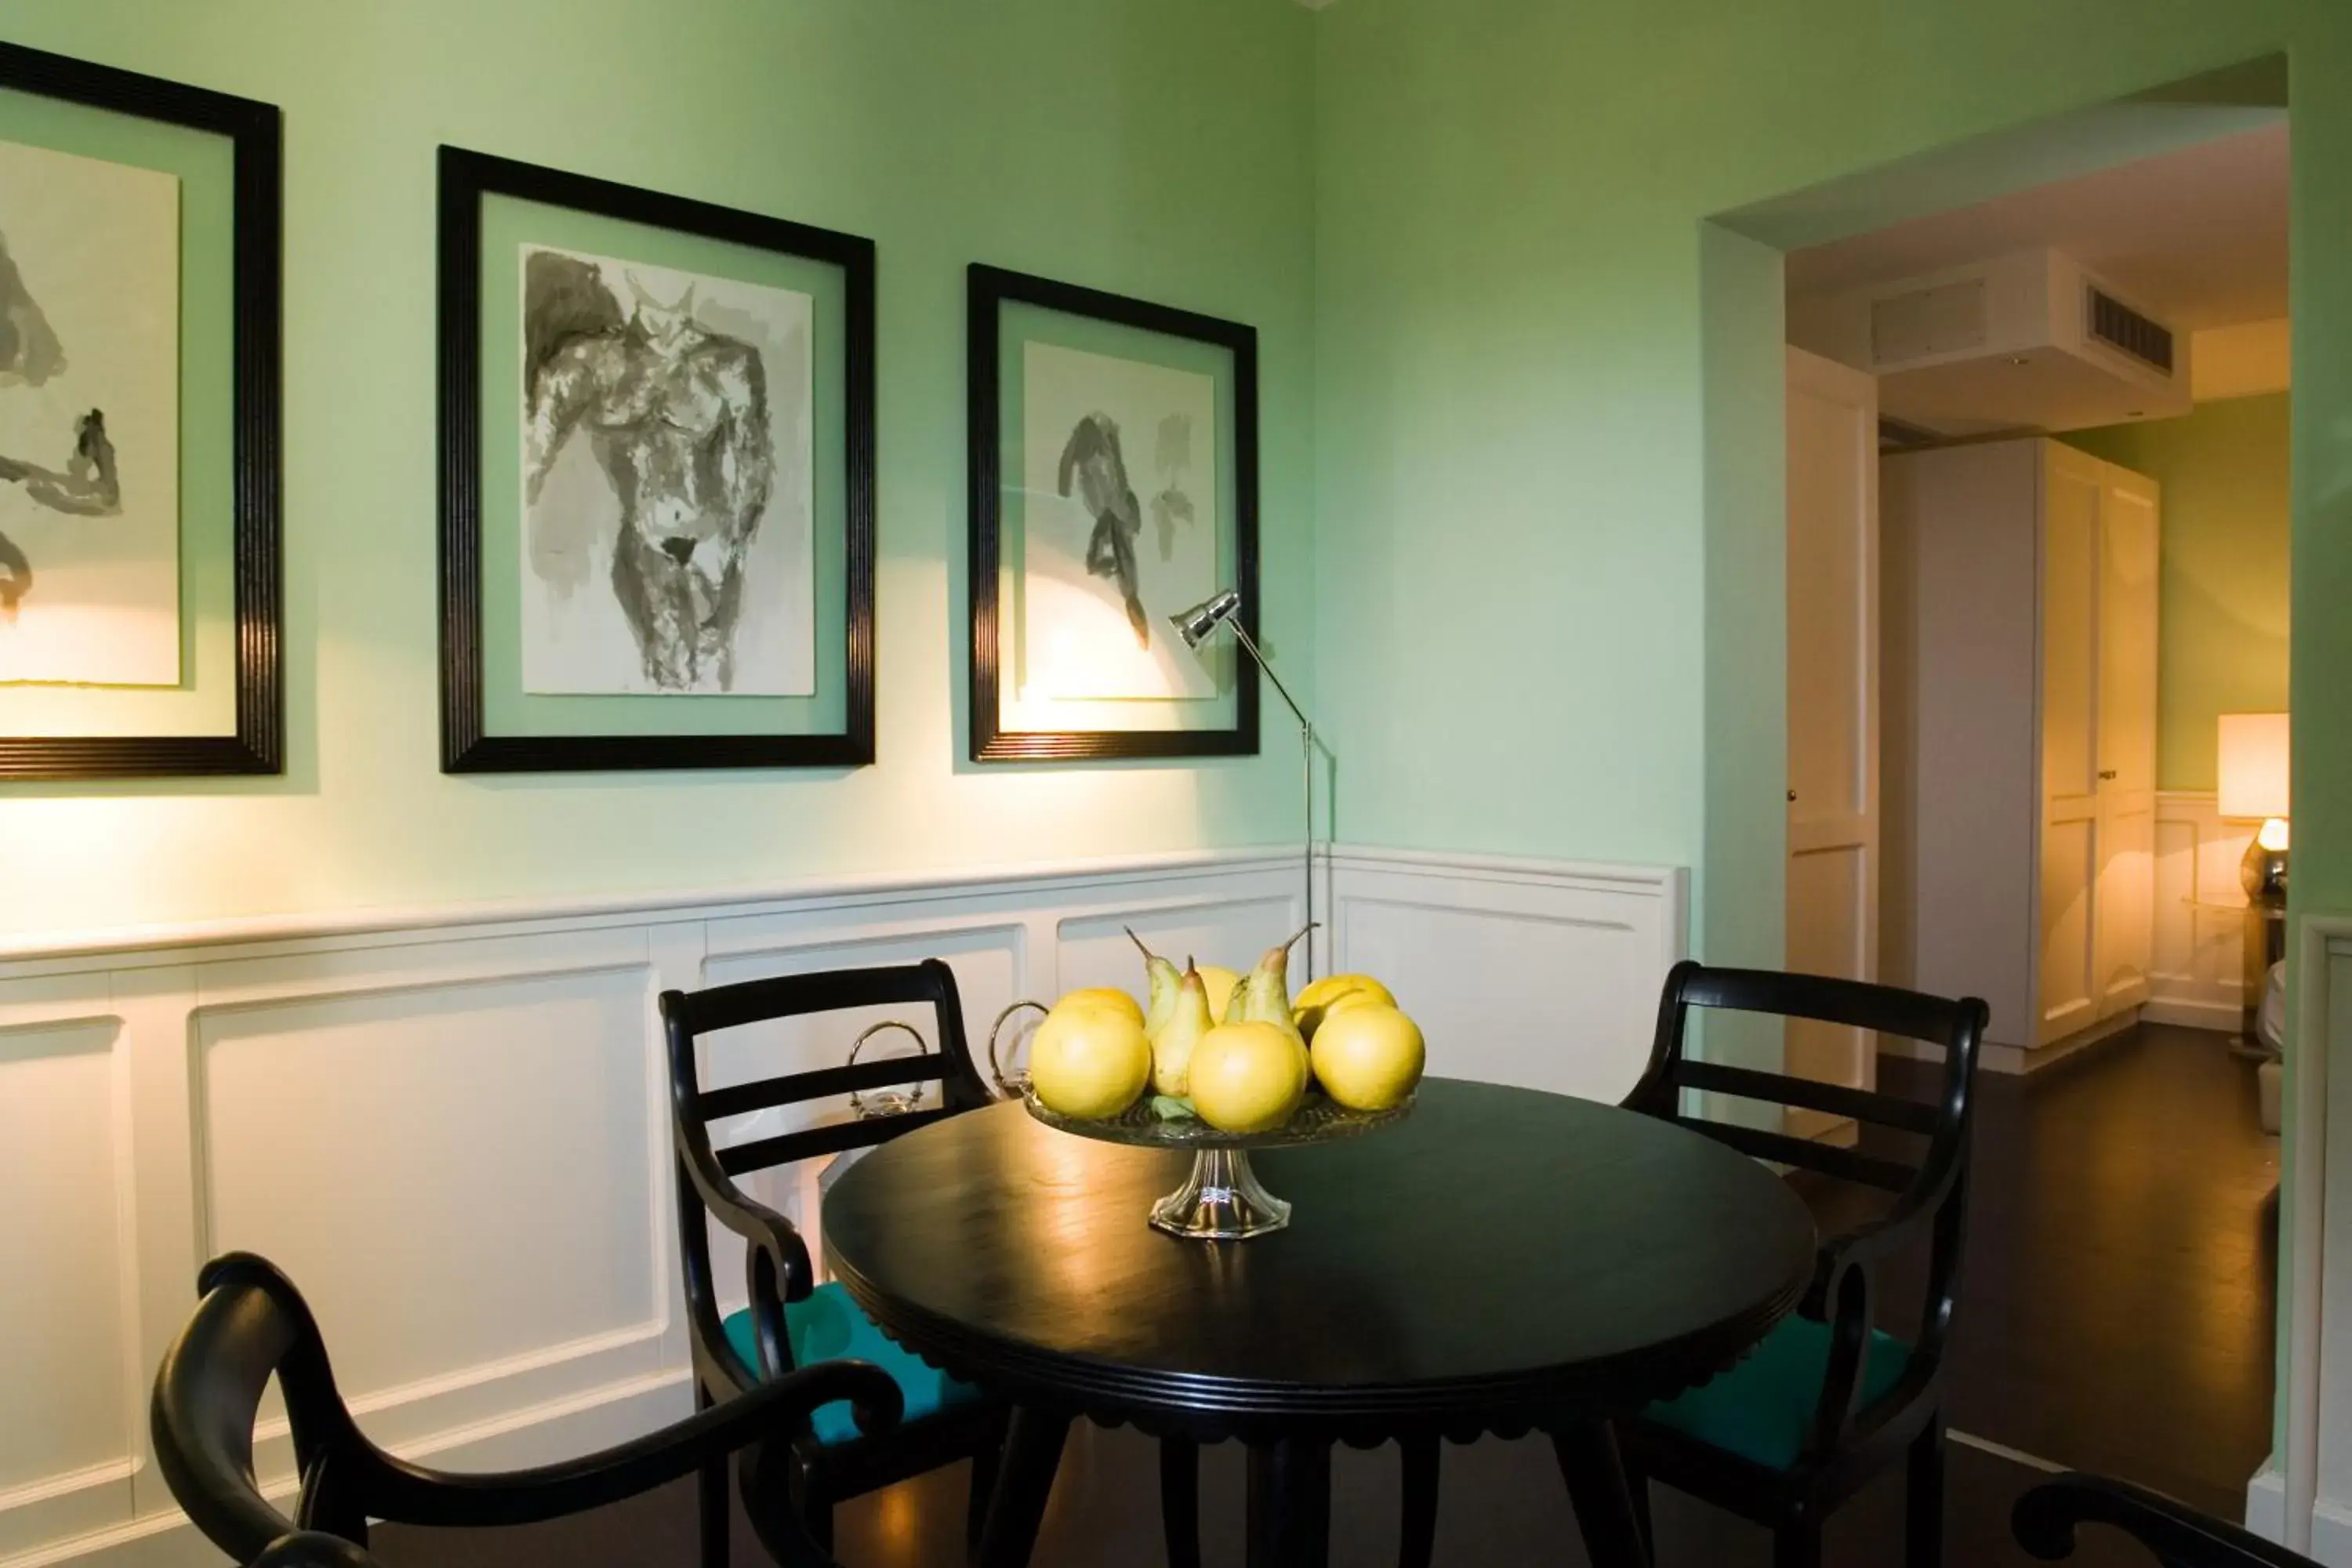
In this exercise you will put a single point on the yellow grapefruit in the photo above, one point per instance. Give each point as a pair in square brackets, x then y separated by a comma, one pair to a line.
[1248, 1077]
[1089, 1059]
[1368, 1056]
[1104, 996]
[1332, 993]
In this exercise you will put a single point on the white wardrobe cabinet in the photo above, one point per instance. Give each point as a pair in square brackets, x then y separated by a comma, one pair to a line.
[2020, 602]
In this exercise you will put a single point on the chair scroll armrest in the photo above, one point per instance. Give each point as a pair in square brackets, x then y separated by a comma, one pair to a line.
[313, 1549]
[776, 1263]
[771, 1414]
[2045, 1519]
[1866, 1244]
[769, 1233]
[1843, 1284]
[1859, 1249]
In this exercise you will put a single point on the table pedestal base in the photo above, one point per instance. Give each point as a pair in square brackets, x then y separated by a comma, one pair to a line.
[1222, 1200]
[1290, 1503]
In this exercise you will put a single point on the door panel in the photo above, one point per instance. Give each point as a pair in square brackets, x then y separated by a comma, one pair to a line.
[1831, 886]
[2067, 983]
[2128, 648]
[2124, 907]
[2069, 867]
[1833, 826]
[2070, 626]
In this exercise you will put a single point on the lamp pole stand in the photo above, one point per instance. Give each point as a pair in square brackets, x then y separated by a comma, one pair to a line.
[1306, 747]
[2262, 873]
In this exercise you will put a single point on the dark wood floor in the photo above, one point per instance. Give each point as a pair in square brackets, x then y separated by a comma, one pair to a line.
[2116, 1304]
[1503, 1507]
[2116, 1315]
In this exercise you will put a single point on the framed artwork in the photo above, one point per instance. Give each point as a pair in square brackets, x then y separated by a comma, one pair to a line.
[1114, 484]
[656, 480]
[140, 621]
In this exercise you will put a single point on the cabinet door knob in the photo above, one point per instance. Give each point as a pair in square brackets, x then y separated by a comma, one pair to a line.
[2107, 773]
[1793, 797]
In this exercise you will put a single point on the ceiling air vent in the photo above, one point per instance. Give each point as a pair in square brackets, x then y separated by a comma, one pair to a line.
[2024, 342]
[1945, 319]
[2120, 327]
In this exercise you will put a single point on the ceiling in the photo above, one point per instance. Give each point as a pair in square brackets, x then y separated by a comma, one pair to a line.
[2197, 235]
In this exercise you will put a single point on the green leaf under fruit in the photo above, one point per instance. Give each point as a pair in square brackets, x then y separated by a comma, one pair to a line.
[1169, 1107]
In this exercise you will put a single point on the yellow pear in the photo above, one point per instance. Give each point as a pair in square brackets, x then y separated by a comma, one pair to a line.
[1248, 1077]
[1264, 997]
[1103, 996]
[1161, 976]
[1089, 1059]
[1368, 1056]
[1331, 993]
[1221, 983]
[1171, 1050]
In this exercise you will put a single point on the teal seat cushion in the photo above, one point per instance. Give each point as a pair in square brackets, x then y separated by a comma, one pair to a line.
[828, 1326]
[1759, 1410]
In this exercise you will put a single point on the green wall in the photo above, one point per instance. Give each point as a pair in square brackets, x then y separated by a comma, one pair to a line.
[1548, 514]
[2224, 616]
[1537, 379]
[1160, 150]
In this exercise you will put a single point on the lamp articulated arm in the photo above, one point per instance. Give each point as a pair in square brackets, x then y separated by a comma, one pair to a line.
[1196, 625]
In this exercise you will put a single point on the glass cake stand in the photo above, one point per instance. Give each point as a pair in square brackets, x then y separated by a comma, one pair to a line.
[1222, 1200]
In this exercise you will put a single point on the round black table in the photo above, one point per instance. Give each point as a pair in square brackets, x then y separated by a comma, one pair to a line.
[1501, 1261]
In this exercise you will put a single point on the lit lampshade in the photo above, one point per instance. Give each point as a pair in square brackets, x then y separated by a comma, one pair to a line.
[2253, 755]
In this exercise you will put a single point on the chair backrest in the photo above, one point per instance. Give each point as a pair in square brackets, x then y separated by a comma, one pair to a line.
[1937, 1181]
[687, 1016]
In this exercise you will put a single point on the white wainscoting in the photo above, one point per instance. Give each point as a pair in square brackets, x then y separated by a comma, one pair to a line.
[449, 1125]
[2303, 1497]
[1485, 950]
[2198, 913]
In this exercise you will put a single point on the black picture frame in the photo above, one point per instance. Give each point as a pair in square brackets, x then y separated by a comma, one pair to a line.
[253, 131]
[989, 290]
[466, 746]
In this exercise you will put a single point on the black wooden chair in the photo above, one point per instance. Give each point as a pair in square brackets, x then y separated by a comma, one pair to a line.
[2045, 1520]
[792, 1320]
[1830, 1399]
[251, 1323]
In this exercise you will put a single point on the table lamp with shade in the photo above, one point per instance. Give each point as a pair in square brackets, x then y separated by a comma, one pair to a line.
[2252, 754]
[1196, 626]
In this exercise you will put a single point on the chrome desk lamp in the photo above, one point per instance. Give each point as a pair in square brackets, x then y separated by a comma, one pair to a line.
[1196, 626]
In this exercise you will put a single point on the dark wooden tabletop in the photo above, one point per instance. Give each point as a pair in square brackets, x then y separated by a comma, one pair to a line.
[1500, 1256]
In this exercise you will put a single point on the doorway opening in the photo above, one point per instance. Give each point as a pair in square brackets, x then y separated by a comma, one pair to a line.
[2037, 554]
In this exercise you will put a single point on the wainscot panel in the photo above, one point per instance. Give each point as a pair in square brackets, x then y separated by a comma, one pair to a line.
[2200, 914]
[450, 1125]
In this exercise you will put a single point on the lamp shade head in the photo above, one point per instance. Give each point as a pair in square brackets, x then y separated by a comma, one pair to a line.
[2253, 766]
[1195, 624]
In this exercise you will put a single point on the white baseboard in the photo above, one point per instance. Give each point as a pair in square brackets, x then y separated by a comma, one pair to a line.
[446, 1084]
[2266, 1516]
[2266, 1502]
[2331, 1534]
[1995, 1057]
[2221, 1018]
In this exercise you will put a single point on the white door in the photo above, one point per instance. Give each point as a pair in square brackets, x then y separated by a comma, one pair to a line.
[2123, 910]
[2071, 486]
[1833, 872]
